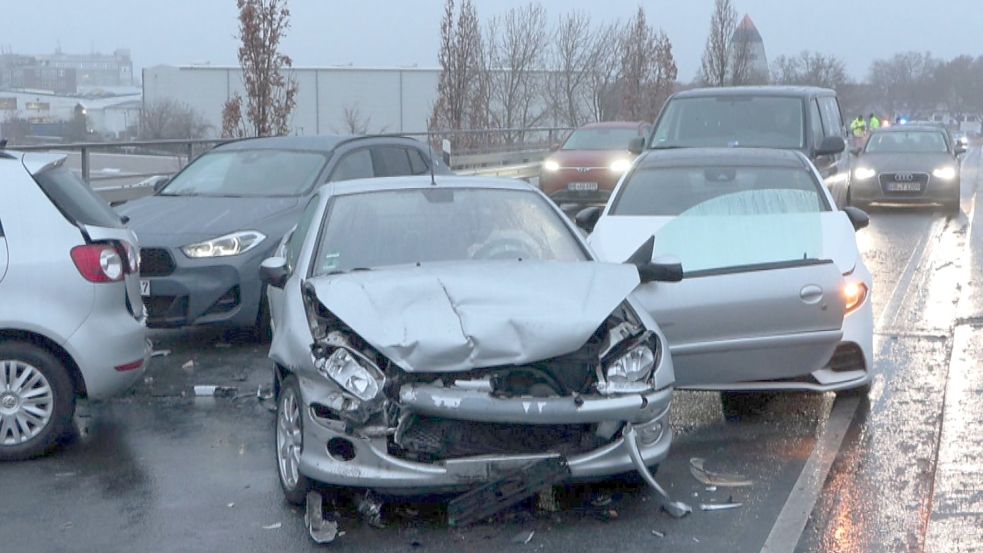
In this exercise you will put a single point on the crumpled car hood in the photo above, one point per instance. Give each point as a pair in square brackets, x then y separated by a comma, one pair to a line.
[447, 317]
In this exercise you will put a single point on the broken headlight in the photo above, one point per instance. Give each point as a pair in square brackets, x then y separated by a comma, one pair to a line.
[630, 372]
[353, 373]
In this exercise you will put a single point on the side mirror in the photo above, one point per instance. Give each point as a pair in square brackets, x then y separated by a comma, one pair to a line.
[830, 146]
[273, 271]
[637, 145]
[161, 183]
[960, 148]
[586, 218]
[858, 217]
[654, 272]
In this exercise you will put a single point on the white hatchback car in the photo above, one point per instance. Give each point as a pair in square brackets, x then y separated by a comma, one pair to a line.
[71, 319]
[776, 295]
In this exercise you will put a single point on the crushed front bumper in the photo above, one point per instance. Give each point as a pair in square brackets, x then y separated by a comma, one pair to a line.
[370, 464]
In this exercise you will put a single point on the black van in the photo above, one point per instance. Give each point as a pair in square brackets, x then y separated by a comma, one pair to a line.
[807, 119]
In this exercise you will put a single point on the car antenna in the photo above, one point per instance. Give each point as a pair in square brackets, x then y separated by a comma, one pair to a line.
[433, 181]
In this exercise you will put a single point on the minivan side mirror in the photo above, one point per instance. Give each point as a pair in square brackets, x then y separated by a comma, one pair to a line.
[273, 271]
[637, 145]
[830, 146]
[586, 218]
[858, 217]
[649, 271]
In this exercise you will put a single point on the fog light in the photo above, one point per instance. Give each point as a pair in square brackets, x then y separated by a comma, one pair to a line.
[650, 433]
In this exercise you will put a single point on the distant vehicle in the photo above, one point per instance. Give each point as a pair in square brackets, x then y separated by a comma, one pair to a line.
[205, 232]
[71, 320]
[432, 337]
[775, 294]
[587, 166]
[805, 119]
[908, 164]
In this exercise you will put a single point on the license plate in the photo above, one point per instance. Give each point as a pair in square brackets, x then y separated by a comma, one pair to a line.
[582, 186]
[144, 287]
[904, 187]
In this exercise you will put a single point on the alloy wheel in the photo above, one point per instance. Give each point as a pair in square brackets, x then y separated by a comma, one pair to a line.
[289, 438]
[26, 402]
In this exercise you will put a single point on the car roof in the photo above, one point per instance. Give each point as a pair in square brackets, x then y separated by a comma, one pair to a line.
[614, 125]
[379, 184]
[795, 91]
[735, 157]
[321, 142]
[908, 128]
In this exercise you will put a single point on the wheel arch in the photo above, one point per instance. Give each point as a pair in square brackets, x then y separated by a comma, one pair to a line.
[49, 345]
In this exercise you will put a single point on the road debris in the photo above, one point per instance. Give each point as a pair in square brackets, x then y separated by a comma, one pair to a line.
[524, 537]
[719, 506]
[498, 495]
[546, 501]
[274, 526]
[322, 531]
[710, 478]
[215, 391]
[677, 509]
[601, 500]
[231, 505]
[658, 534]
[370, 509]
[189, 364]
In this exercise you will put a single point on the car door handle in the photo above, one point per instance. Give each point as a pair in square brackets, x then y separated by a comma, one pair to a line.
[811, 294]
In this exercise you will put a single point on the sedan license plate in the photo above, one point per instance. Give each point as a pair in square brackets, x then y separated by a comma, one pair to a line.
[582, 186]
[144, 287]
[904, 187]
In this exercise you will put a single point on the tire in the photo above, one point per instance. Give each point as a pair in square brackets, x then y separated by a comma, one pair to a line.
[860, 391]
[294, 484]
[737, 405]
[44, 384]
[262, 330]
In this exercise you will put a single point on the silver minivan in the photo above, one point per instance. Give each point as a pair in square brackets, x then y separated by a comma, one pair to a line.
[71, 320]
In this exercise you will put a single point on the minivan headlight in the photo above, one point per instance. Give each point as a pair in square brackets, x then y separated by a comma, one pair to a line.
[235, 243]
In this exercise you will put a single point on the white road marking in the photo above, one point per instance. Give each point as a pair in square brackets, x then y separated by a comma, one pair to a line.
[784, 535]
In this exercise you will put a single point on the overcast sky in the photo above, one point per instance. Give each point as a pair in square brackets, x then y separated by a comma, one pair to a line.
[405, 32]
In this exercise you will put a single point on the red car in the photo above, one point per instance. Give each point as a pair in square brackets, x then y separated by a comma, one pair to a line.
[587, 166]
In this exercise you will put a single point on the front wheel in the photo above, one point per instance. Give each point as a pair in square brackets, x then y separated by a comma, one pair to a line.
[37, 401]
[290, 441]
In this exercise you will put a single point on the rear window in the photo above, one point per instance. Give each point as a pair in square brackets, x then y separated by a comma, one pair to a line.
[732, 121]
[76, 200]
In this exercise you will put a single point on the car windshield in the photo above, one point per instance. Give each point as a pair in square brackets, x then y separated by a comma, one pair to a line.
[600, 139]
[248, 173]
[671, 191]
[907, 142]
[732, 121]
[398, 227]
[726, 217]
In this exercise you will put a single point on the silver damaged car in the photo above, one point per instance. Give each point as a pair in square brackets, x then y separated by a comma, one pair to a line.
[432, 336]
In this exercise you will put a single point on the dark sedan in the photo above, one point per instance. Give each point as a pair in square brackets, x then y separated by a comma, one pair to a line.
[908, 164]
[204, 234]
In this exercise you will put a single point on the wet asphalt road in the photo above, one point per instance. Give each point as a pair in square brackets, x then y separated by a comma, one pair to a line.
[159, 470]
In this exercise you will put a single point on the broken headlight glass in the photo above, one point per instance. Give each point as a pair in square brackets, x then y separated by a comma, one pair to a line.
[630, 372]
[353, 372]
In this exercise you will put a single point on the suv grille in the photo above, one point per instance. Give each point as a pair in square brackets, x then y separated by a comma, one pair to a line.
[155, 262]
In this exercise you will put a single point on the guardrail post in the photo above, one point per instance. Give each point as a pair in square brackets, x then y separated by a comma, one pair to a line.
[85, 163]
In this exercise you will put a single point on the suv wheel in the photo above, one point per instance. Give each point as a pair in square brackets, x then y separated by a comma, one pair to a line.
[37, 401]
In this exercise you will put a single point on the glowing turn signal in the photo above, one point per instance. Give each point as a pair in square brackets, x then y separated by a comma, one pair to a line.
[854, 294]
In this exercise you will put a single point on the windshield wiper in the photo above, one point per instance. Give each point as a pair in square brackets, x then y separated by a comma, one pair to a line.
[345, 271]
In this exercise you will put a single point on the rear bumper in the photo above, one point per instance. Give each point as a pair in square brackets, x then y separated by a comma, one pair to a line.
[107, 340]
[373, 466]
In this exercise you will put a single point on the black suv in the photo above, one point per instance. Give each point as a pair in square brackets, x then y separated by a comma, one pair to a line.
[807, 119]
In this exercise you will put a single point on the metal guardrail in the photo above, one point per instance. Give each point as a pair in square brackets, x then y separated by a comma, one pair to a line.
[511, 152]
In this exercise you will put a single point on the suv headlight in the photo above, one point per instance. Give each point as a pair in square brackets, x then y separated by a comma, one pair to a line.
[551, 165]
[231, 244]
[353, 373]
[620, 165]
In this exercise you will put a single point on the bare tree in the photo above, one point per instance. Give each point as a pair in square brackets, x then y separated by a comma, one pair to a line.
[169, 119]
[516, 46]
[602, 77]
[353, 120]
[741, 60]
[717, 53]
[462, 89]
[648, 70]
[809, 68]
[906, 82]
[571, 64]
[270, 94]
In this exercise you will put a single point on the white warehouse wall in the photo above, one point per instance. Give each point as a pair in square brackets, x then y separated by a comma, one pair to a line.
[393, 100]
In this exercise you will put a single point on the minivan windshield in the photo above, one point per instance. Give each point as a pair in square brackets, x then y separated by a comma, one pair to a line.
[399, 227]
[248, 173]
[600, 139]
[732, 121]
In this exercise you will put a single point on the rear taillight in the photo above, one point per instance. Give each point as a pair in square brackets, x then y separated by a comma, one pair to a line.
[99, 262]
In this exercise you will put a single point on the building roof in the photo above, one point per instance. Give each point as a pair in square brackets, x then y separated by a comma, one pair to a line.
[732, 157]
[746, 31]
